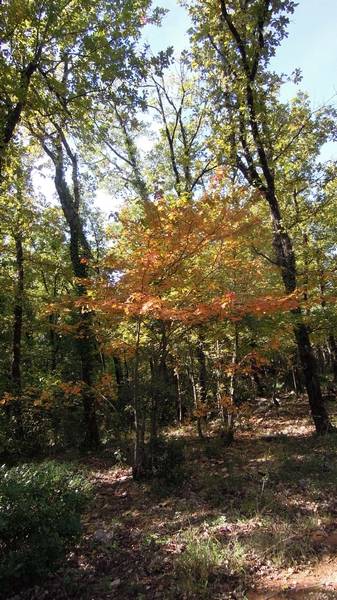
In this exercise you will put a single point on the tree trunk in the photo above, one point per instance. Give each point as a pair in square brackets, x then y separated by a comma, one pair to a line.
[17, 337]
[155, 379]
[179, 397]
[14, 111]
[286, 260]
[229, 413]
[202, 371]
[333, 352]
[202, 381]
[53, 339]
[139, 467]
[118, 370]
[257, 165]
[79, 254]
[195, 399]
[85, 347]
[159, 385]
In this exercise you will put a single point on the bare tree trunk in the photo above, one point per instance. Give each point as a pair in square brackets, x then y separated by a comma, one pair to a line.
[202, 381]
[154, 414]
[159, 385]
[118, 370]
[202, 371]
[53, 343]
[294, 378]
[287, 262]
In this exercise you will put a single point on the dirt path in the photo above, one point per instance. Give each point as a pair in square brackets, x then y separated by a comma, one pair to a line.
[314, 583]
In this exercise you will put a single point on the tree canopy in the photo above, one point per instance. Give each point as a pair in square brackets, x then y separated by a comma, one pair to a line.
[214, 283]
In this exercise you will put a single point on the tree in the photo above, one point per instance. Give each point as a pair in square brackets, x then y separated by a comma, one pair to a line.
[95, 40]
[100, 60]
[180, 272]
[234, 42]
[80, 254]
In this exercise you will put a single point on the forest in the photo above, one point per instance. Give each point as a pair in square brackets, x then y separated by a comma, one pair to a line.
[168, 366]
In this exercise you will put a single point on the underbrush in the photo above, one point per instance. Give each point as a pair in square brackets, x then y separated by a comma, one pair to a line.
[167, 466]
[267, 508]
[280, 542]
[40, 508]
[169, 461]
[205, 559]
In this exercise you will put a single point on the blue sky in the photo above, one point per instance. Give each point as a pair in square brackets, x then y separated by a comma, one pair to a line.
[311, 44]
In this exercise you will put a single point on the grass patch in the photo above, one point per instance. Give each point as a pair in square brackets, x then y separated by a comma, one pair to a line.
[203, 559]
[280, 542]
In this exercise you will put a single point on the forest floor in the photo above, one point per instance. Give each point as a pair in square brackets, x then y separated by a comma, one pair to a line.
[256, 521]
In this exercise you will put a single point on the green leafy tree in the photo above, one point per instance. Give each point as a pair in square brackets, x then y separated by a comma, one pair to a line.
[234, 42]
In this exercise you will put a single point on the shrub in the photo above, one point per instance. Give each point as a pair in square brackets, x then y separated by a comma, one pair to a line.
[40, 507]
[169, 459]
[215, 449]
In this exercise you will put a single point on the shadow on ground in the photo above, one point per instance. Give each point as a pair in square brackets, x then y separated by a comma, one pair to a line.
[244, 523]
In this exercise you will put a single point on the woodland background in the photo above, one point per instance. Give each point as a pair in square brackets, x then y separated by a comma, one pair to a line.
[211, 288]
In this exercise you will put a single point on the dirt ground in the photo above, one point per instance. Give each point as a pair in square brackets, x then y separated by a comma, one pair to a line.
[267, 505]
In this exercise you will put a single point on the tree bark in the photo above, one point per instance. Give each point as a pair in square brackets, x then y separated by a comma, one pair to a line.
[159, 384]
[195, 397]
[202, 371]
[179, 397]
[118, 370]
[333, 351]
[286, 260]
[202, 381]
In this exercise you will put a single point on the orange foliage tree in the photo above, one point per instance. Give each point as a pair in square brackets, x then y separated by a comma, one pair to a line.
[185, 265]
